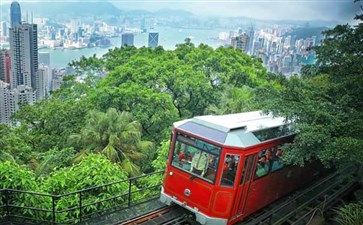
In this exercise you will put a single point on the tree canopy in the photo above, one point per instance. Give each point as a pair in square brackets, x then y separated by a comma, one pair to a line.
[325, 102]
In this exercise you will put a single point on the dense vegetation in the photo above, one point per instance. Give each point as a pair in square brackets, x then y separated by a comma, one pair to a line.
[125, 106]
[116, 122]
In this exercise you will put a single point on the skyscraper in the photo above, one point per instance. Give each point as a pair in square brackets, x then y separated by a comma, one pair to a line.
[22, 62]
[15, 14]
[5, 65]
[24, 55]
[241, 42]
[153, 40]
[251, 34]
[127, 39]
[44, 74]
[6, 103]
[4, 29]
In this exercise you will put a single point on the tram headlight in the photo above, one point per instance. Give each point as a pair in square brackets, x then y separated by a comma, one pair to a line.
[187, 192]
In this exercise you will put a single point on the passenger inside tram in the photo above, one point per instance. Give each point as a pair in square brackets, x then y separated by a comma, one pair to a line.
[262, 166]
[199, 163]
[277, 162]
[185, 159]
[229, 170]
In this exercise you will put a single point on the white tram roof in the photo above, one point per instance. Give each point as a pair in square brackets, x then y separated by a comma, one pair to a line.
[237, 130]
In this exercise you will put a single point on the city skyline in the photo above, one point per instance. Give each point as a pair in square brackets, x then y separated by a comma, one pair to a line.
[335, 10]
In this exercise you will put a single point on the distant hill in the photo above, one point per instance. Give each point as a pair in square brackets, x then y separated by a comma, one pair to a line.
[173, 12]
[161, 12]
[82, 8]
[304, 32]
[138, 12]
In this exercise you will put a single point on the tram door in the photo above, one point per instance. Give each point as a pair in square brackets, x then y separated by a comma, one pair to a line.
[244, 185]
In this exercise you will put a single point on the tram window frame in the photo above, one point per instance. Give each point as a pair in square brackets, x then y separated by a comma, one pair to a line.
[198, 146]
[229, 170]
[277, 153]
[273, 132]
[247, 169]
[273, 150]
[260, 155]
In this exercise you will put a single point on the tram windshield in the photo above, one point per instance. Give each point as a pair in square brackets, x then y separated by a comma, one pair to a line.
[196, 157]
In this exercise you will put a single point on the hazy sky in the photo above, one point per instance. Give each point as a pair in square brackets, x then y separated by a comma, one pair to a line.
[341, 10]
[338, 10]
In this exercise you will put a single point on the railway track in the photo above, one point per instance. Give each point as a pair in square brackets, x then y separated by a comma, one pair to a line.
[299, 208]
[168, 215]
[296, 209]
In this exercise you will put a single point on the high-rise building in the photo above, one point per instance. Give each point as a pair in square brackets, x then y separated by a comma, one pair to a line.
[240, 42]
[21, 67]
[153, 40]
[15, 14]
[2, 64]
[57, 78]
[4, 29]
[251, 34]
[24, 55]
[44, 74]
[11, 99]
[127, 39]
[5, 65]
[22, 95]
[143, 25]
[6, 103]
[44, 58]
[74, 26]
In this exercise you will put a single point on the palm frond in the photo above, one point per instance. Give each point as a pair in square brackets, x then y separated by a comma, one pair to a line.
[111, 153]
[130, 168]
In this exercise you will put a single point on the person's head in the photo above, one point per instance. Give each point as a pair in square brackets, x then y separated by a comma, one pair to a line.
[268, 154]
[279, 153]
[262, 159]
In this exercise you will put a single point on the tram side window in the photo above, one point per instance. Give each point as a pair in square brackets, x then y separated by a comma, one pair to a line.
[230, 166]
[269, 159]
[263, 163]
[276, 159]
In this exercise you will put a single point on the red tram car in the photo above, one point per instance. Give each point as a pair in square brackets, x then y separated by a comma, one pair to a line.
[224, 168]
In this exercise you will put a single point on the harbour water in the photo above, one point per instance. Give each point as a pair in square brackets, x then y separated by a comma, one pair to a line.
[168, 38]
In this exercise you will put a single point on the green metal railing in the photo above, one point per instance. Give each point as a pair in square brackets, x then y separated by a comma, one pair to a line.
[28, 207]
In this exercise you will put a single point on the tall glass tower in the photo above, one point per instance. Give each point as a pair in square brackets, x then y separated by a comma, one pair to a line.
[15, 14]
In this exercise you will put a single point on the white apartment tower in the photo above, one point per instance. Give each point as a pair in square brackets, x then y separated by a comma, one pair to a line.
[44, 81]
[6, 103]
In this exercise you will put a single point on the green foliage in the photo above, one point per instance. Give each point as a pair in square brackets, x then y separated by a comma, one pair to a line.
[94, 170]
[234, 100]
[155, 86]
[351, 214]
[13, 146]
[54, 159]
[49, 122]
[13, 176]
[160, 162]
[115, 135]
[325, 102]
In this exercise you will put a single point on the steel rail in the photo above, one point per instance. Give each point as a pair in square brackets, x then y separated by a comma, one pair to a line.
[301, 203]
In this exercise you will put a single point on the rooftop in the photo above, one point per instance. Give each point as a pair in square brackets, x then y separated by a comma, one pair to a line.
[237, 130]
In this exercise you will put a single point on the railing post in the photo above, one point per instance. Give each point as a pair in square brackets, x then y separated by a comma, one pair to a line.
[80, 206]
[7, 204]
[54, 219]
[129, 203]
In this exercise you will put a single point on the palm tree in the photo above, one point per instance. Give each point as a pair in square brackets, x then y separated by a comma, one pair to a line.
[115, 135]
